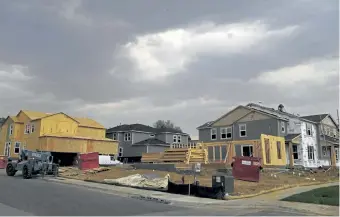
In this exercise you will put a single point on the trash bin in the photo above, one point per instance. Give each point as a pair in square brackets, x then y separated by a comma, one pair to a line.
[247, 168]
[3, 161]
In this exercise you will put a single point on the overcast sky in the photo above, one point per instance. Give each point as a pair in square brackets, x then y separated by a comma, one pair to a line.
[188, 61]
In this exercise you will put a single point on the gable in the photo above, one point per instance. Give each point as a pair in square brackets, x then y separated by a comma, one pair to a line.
[59, 117]
[328, 121]
[232, 116]
[33, 114]
[253, 116]
[23, 117]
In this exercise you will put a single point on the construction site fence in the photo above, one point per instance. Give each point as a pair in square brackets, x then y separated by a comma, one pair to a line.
[195, 189]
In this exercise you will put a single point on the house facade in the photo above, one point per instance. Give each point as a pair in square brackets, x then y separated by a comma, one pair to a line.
[136, 139]
[58, 133]
[327, 138]
[304, 133]
[245, 131]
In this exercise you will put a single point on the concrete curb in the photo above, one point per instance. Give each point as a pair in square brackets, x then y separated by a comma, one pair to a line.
[276, 189]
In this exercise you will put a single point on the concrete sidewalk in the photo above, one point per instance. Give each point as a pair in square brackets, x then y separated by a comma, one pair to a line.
[266, 201]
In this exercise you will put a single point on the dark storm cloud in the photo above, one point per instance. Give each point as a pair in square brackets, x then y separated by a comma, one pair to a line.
[69, 48]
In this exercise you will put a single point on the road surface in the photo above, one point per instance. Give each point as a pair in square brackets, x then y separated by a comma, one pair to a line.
[36, 197]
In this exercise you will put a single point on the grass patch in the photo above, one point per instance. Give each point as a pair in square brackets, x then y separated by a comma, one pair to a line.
[325, 196]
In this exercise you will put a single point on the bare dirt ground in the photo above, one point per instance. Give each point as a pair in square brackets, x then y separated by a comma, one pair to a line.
[267, 181]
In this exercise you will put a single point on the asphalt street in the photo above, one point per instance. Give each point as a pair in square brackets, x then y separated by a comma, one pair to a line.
[19, 197]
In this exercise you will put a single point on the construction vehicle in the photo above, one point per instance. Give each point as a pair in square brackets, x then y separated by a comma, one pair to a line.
[32, 163]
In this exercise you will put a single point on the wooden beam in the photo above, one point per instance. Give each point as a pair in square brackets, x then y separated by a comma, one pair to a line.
[291, 155]
[333, 157]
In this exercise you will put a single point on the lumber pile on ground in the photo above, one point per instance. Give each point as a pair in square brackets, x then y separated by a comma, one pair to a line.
[186, 155]
[152, 157]
[176, 155]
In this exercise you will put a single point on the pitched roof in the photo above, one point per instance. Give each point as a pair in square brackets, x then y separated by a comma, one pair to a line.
[276, 112]
[152, 141]
[34, 114]
[315, 118]
[143, 128]
[88, 122]
[206, 125]
[129, 127]
[292, 136]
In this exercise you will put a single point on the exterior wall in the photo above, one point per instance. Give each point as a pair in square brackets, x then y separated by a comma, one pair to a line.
[273, 150]
[58, 124]
[155, 149]
[303, 148]
[15, 137]
[71, 145]
[232, 116]
[90, 132]
[139, 136]
[256, 128]
[204, 135]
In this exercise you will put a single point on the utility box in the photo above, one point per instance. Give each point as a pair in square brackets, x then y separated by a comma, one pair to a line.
[224, 181]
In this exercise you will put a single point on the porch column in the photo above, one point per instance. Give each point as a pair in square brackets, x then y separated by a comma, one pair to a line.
[333, 157]
[291, 155]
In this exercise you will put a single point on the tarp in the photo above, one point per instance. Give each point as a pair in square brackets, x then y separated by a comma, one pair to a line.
[138, 180]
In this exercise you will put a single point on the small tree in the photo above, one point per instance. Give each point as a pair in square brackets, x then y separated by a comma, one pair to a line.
[160, 124]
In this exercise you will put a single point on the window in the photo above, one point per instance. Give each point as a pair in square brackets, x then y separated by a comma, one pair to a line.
[310, 153]
[213, 134]
[127, 137]
[336, 154]
[120, 153]
[223, 133]
[175, 138]
[295, 152]
[179, 138]
[27, 129]
[17, 148]
[152, 135]
[247, 150]
[229, 132]
[11, 129]
[283, 127]
[114, 136]
[32, 128]
[278, 148]
[309, 129]
[326, 151]
[243, 130]
[226, 133]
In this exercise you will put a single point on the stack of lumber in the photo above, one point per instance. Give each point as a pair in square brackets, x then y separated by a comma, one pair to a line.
[198, 156]
[186, 155]
[152, 157]
[176, 155]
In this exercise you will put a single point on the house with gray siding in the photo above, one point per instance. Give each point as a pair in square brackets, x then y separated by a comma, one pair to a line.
[301, 132]
[250, 121]
[136, 139]
[242, 123]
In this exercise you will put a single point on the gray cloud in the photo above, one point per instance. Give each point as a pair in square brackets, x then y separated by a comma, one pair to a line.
[69, 49]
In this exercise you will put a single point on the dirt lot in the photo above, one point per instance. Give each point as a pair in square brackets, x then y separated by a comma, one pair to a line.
[267, 179]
